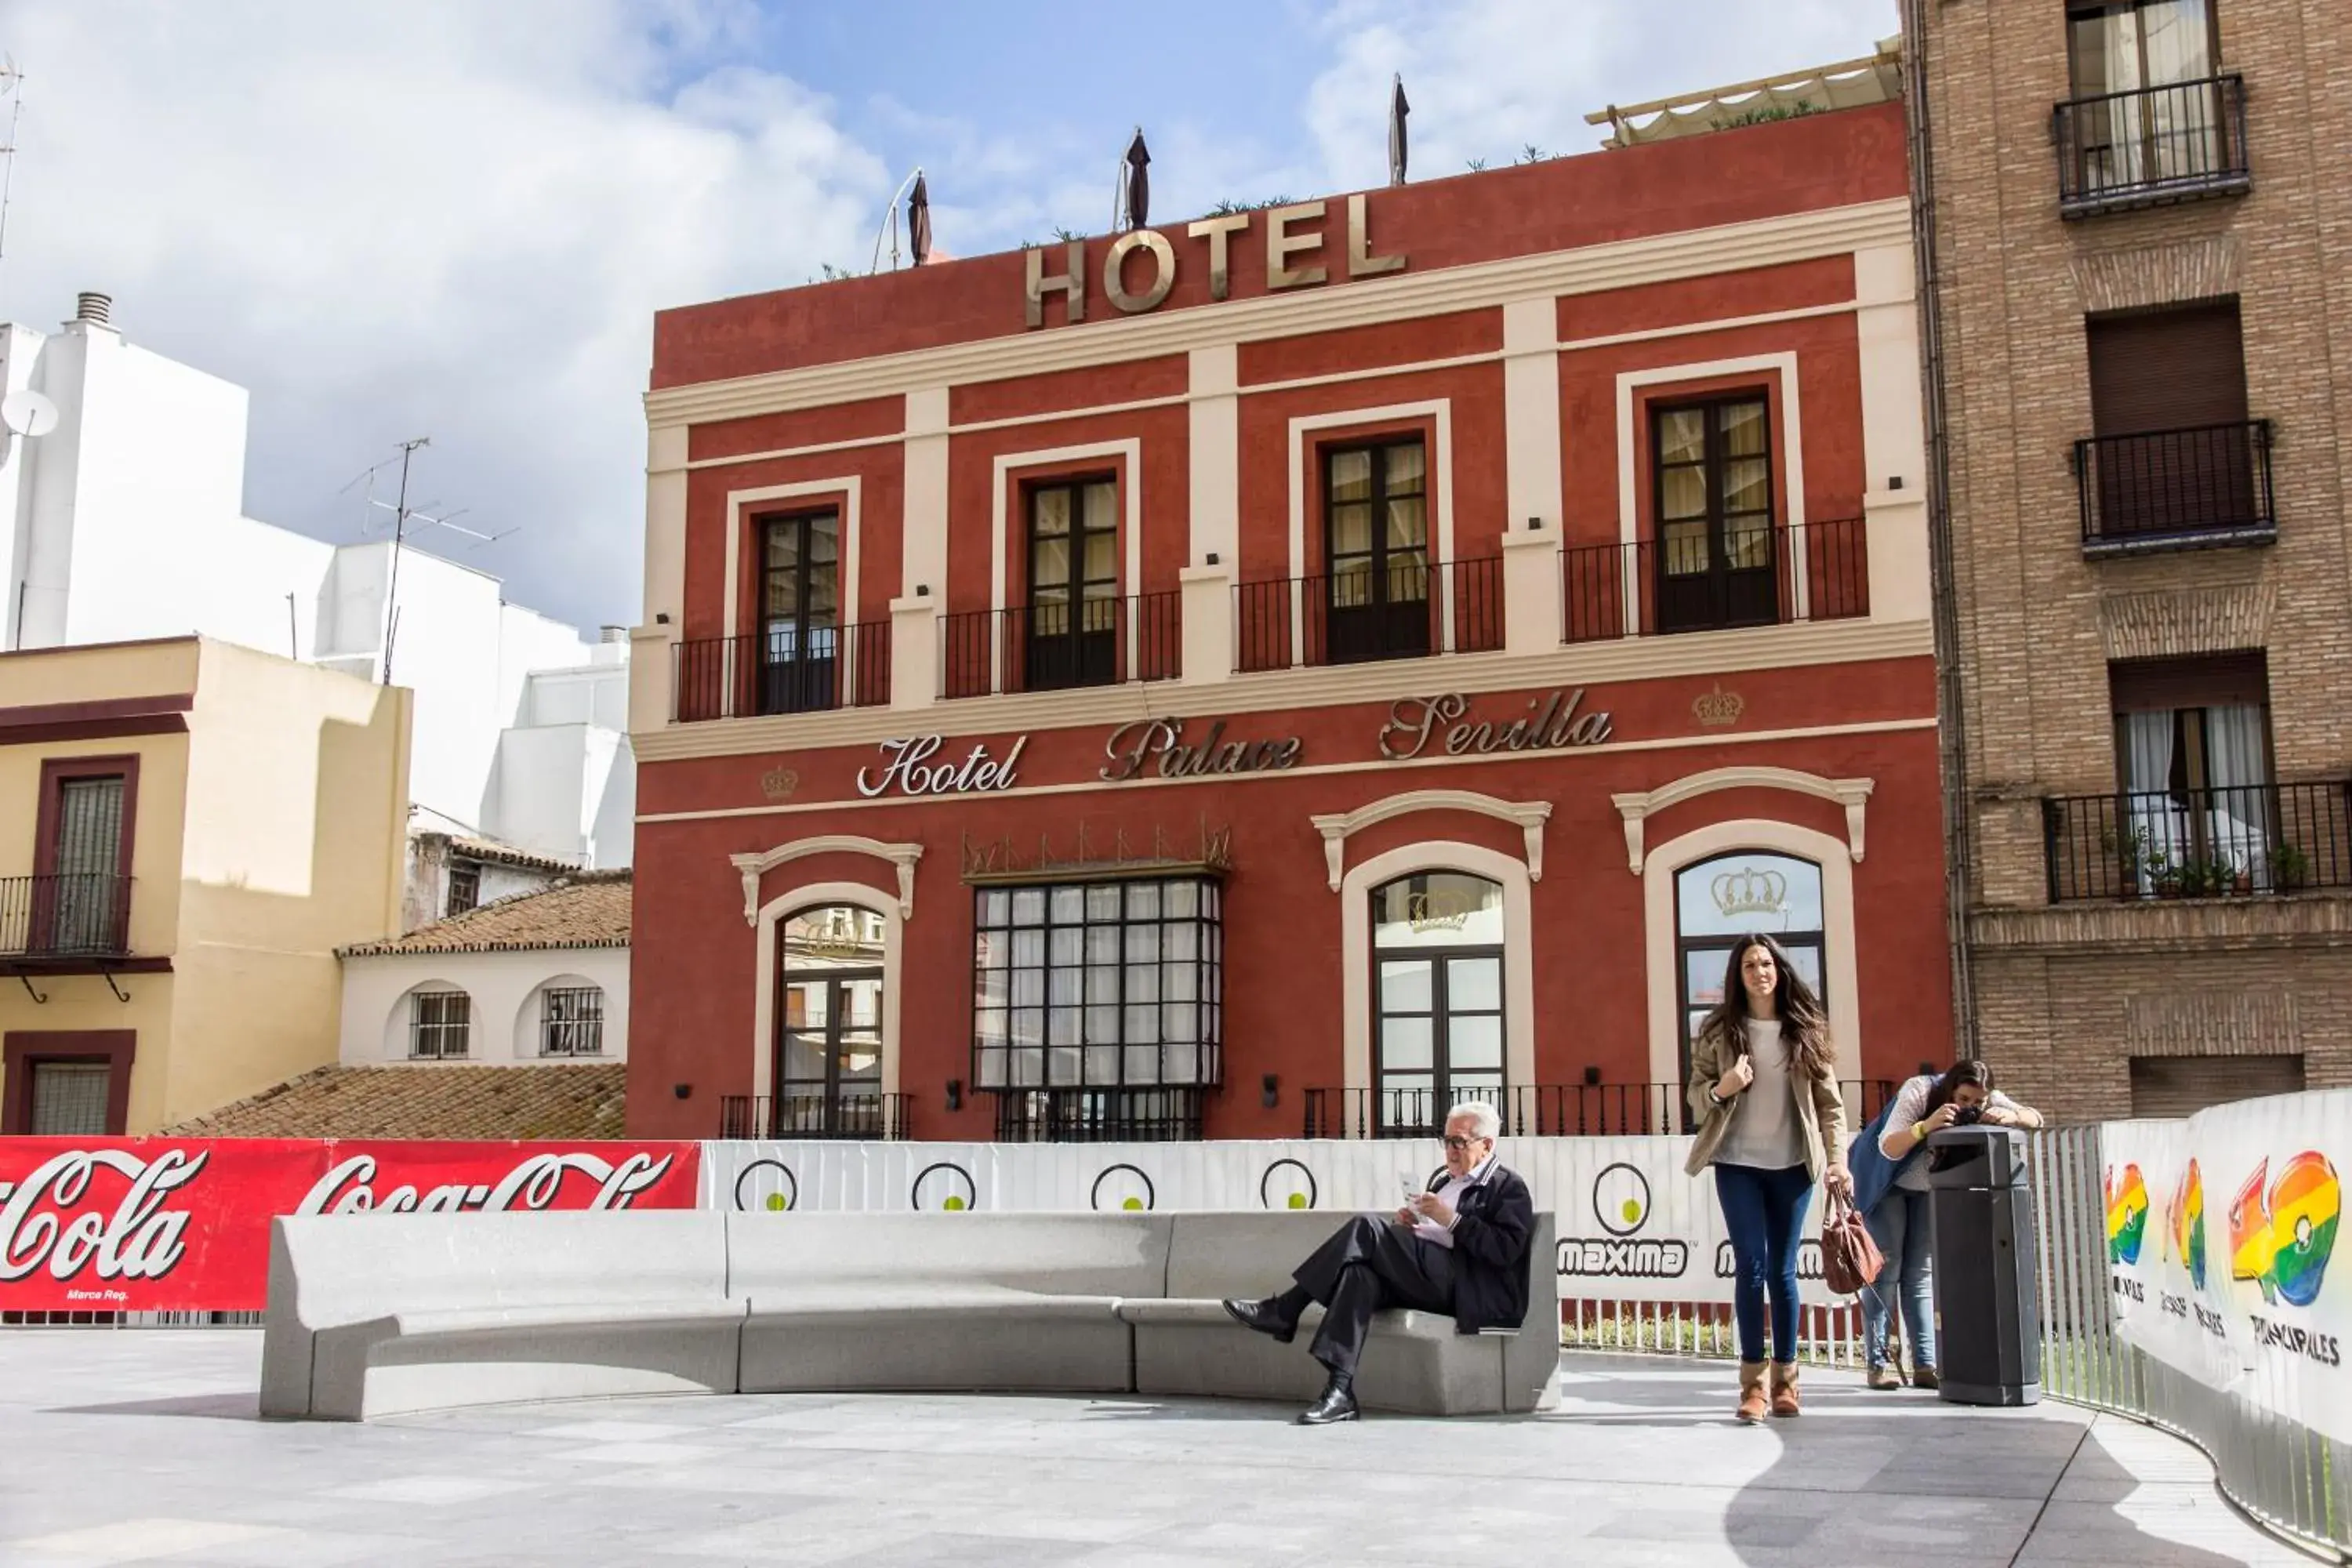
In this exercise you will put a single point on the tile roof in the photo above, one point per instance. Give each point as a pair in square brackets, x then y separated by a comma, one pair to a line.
[507, 854]
[455, 1101]
[588, 909]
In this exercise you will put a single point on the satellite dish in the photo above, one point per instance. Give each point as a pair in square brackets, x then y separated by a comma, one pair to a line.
[28, 413]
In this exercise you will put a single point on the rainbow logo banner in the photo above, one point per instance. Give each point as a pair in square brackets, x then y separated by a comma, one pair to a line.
[2126, 1215]
[2280, 1240]
[2186, 1230]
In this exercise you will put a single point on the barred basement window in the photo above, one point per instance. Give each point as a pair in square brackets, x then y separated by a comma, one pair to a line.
[1104, 985]
[572, 1022]
[439, 1023]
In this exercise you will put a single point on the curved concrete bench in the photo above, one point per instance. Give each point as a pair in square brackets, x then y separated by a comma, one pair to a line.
[379, 1314]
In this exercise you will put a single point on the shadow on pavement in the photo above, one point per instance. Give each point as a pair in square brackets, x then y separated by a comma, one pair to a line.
[204, 1406]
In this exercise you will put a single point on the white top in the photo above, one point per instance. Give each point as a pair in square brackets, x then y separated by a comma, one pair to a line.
[1765, 1132]
[1450, 1195]
[1910, 1107]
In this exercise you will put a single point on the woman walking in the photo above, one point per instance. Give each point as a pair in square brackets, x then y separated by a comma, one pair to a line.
[1891, 1191]
[1763, 1089]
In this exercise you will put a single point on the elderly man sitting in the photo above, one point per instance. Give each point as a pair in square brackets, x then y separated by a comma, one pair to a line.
[1459, 1249]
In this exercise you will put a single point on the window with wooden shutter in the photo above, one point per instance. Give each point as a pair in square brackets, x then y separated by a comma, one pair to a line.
[2173, 449]
[2182, 1086]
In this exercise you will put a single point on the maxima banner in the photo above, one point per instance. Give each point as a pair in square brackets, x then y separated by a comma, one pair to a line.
[2220, 1231]
[137, 1225]
[1631, 1225]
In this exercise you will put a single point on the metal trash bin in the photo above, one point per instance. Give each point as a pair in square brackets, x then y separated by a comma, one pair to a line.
[1988, 1326]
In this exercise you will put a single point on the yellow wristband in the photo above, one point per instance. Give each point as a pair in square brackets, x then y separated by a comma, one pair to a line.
[1919, 1130]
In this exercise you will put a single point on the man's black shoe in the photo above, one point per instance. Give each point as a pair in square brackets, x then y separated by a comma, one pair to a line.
[1264, 1317]
[1338, 1403]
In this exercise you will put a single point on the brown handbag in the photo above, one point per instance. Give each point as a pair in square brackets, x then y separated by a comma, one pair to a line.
[1850, 1258]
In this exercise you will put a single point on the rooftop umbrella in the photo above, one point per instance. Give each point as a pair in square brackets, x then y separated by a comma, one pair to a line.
[918, 220]
[1138, 181]
[1398, 109]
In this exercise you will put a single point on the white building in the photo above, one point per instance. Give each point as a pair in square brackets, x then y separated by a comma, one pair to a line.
[543, 978]
[125, 520]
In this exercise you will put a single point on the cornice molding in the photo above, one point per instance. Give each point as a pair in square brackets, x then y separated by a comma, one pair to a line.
[1851, 794]
[1272, 691]
[1529, 816]
[1650, 258]
[752, 868]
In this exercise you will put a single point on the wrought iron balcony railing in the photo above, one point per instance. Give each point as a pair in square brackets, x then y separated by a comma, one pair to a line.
[844, 1115]
[2151, 144]
[64, 916]
[1405, 610]
[1805, 572]
[2174, 490]
[2246, 841]
[1055, 647]
[804, 670]
[1097, 1116]
[1537, 1110]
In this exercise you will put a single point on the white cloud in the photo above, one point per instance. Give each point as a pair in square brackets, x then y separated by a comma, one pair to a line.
[1487, 78]
[411, 217]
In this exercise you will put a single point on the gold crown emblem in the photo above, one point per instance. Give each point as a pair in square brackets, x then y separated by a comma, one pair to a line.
[1750, 891]
[1437, 912]
[1717, 707]
[778, 784]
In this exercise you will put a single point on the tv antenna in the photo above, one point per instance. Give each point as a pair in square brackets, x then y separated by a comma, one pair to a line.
[12, 83]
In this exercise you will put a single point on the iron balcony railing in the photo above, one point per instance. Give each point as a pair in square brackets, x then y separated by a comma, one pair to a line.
[843, 1115]
[805, 670]
[1406, 610]
[1805, 572]
[2239, 842]
[1098, 1116]
[65, 915]
[2151, 144]
[2206, 484]
[1055, 646]
[1537, 1110]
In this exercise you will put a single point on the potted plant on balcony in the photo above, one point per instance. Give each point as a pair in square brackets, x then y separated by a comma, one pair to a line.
[2290, 867]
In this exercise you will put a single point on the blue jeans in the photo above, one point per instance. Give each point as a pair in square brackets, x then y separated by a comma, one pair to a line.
[1899, 1225]
[1765, 1212]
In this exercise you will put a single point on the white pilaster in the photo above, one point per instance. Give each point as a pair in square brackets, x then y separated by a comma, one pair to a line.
[923, 530]
[1215, 479]
[1531, 409]
[1207, 623]
[914, 651]
[1531, 607]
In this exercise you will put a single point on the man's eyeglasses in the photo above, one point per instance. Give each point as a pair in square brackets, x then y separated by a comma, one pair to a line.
[1456, 1142]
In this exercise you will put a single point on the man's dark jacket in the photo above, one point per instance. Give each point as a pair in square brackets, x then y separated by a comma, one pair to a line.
[1491, 1231]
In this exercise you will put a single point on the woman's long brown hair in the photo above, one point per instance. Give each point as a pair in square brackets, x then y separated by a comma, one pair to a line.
[1804, 1025]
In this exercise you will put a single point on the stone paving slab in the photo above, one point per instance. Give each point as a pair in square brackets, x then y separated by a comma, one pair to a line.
[136, 1447]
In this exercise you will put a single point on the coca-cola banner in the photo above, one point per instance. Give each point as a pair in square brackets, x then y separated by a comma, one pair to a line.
[136, 1225]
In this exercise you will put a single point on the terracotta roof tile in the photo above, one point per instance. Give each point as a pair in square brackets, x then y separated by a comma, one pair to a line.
[589, 909]
[507, 854]
[430, 1100]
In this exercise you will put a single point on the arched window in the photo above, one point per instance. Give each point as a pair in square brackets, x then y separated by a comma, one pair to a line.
[1719, 901]
[828, 1074]
[1437, 997]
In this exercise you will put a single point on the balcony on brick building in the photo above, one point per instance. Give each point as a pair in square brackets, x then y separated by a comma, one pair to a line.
[2146, 146]
[2199, 487]
[2245, 841]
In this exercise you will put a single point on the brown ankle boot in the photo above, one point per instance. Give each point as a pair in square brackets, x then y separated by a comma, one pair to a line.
[1784, 1388]
[1751, 1392]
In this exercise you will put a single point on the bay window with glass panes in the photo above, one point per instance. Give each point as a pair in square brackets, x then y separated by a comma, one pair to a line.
[1110, 985]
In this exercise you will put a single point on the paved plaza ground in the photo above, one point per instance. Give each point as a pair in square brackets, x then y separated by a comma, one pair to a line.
[142, 1446]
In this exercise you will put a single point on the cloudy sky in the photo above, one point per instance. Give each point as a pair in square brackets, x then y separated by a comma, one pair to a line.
[456, 218]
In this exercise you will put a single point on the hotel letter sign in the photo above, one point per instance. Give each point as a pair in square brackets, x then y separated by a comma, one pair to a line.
[1134, 287]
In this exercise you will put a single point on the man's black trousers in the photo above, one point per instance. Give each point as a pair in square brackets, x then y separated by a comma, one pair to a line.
[1367, 1265]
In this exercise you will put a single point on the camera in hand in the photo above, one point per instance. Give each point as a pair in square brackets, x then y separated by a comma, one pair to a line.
[1966, 1115]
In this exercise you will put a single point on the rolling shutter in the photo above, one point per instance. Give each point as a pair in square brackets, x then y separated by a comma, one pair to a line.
[2166, 370]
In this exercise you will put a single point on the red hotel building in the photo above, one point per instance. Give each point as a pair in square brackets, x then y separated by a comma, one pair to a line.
[1284, 672]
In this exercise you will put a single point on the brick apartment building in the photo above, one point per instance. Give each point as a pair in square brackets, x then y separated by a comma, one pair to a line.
[2143, 245]
[1276, 673]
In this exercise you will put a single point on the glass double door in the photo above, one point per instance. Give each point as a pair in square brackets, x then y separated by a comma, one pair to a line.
[829, 1056]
